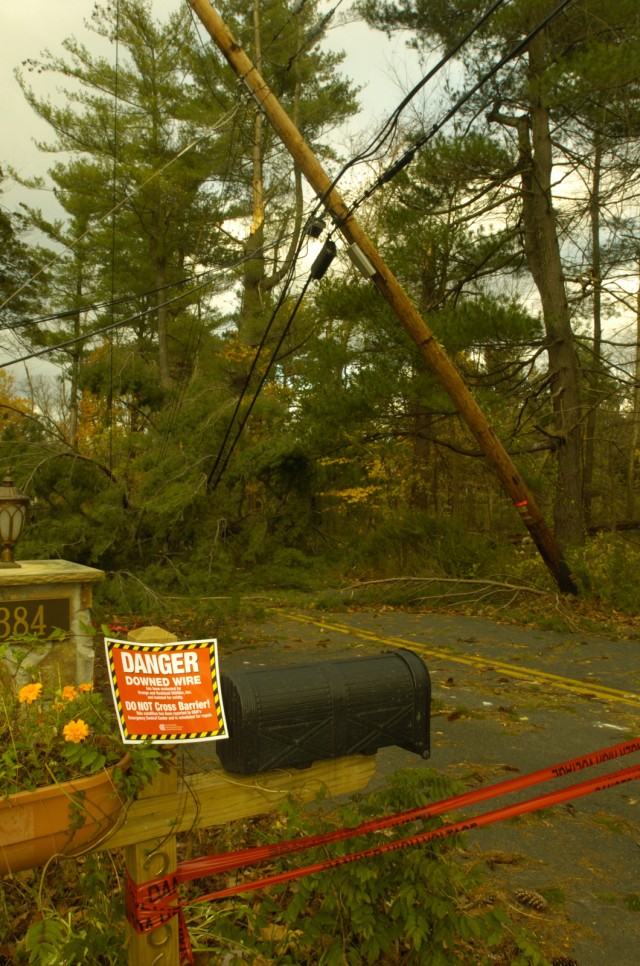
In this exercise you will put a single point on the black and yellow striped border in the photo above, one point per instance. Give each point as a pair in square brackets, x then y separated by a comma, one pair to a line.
[163, 737]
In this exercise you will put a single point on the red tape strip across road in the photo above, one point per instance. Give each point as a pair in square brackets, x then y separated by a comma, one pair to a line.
[149, 904]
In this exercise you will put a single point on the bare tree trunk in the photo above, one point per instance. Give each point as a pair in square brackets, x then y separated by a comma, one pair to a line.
[254, 269]
[542, 251]
[635, 418]
[257, 284]
[596, 279]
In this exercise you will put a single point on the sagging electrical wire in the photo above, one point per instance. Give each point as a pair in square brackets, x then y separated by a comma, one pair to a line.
[317, 271]
[283, 295]
[290, 278]
[394, 169]
[219, 461]
[109, 214]
[390, 125]
[104, 328]
[297, 9]
[210, 274]
[97, 306]
[410, 153]
[380, 138]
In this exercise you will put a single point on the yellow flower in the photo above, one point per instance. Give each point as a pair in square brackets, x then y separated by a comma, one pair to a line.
[69, 693]
[85, 688]
[75, 731]
[29, 693]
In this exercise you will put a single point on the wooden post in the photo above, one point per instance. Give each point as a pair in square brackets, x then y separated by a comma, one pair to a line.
[145, 860]
[395, 296]
[148, 857]
[169, 805]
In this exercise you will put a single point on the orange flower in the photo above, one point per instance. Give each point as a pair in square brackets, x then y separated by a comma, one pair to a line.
[68, 693]
[75, 731]
[29, 693]
[85, 688]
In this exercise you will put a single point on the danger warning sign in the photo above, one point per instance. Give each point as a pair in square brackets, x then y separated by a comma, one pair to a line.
[166, 692]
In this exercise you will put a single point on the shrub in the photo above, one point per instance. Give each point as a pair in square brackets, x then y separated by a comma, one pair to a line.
[607, 568]
[417, 543]
[419, 906]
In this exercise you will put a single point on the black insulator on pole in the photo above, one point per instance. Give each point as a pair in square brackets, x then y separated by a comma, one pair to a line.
[323, 260]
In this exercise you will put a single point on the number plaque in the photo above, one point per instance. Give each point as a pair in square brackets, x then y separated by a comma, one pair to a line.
[34, 617]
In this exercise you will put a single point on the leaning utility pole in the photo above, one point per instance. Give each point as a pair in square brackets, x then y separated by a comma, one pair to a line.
[394, 294]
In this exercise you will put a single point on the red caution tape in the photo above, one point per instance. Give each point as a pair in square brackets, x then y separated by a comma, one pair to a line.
[227, 861]
[509, 811]
[152, 903]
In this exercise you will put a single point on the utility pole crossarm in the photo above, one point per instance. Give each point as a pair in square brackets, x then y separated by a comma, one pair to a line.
[394, 294]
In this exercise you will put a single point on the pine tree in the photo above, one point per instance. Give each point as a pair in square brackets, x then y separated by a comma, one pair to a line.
[143, 134]
[585, 57]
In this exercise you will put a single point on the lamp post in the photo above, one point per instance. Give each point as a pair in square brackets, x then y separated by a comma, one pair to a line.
[13, 511]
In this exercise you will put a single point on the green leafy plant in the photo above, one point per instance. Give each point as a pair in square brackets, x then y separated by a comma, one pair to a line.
[68, 930]
[422, 906]
[55, 734]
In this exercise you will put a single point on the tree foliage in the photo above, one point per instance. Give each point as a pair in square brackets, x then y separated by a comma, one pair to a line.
[206, 424]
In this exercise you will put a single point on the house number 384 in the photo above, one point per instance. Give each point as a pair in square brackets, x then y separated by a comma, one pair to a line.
[17, 621]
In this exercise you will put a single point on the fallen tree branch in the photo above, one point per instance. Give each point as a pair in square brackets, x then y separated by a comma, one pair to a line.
[477, 581]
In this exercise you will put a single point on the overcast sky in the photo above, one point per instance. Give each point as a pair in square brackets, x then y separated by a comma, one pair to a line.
[27, 27]
[383, 68]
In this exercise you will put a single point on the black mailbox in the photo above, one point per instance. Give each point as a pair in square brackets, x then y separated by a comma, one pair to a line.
[292, 715]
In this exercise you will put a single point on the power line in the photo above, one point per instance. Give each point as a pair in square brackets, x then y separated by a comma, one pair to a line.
[384, 178]
[209, 277]
[109, 214]
[211, 484]
[391, 123]
[104, 328]
[210, 274]
[409, 155]
[380, 138]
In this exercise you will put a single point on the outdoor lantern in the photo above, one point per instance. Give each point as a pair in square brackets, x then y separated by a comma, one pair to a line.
[292, 715]
[13, 511]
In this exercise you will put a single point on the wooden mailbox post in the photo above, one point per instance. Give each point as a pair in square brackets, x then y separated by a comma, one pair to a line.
[172, 803]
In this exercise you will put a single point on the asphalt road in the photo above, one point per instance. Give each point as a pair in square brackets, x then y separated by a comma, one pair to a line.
[506, 700]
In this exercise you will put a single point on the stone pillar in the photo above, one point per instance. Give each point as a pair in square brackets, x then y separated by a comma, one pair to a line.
[38, 597]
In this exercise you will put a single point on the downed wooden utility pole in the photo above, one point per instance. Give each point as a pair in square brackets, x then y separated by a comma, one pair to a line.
[394, 294]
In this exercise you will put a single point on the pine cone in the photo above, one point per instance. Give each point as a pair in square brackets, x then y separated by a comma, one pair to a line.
[533, 900]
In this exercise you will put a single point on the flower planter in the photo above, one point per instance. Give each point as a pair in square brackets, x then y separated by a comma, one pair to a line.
[57, 819]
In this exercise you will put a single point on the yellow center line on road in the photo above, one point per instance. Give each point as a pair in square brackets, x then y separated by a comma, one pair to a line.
[531, 675]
